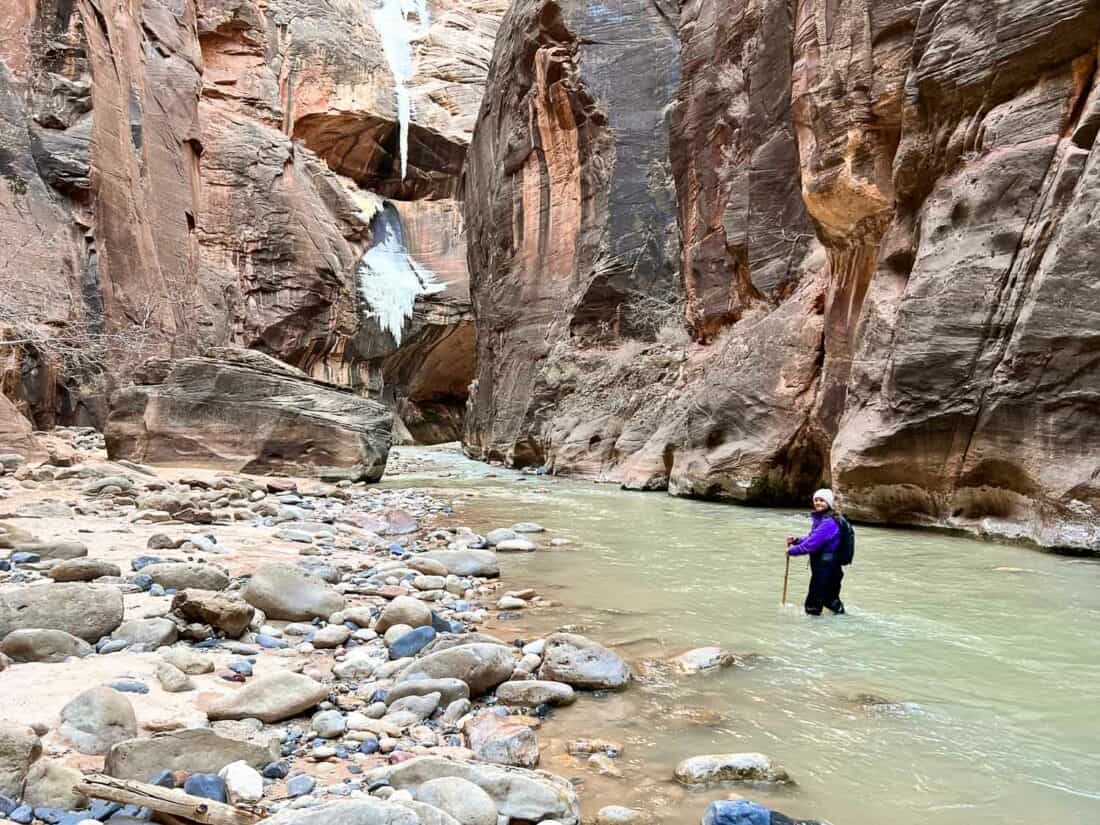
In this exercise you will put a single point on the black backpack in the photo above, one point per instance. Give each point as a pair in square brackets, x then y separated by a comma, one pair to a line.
[846, 549]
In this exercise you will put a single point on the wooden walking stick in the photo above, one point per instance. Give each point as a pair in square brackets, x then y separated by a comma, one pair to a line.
[786, 574]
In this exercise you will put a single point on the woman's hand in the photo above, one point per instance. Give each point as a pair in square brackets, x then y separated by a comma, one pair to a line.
[791, 540]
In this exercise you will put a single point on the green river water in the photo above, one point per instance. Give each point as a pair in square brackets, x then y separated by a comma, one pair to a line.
[963, 686]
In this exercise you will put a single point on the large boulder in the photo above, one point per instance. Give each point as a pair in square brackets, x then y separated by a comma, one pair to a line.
[86, 611]
[246, 411]
[481, 666]
[271, 698]
[481, 563]
[43, 646]
[182, 574]
[226, 613]
[199, 750]
[287, 593]
[97, 719]
[582, 663]
[347, 812]
[729, 767]
[519, 793]
[19, 748]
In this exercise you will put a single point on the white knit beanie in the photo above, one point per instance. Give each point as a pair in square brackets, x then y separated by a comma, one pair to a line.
[827, 496]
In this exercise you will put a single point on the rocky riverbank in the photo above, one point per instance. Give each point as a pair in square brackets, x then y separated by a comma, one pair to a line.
[286, 646]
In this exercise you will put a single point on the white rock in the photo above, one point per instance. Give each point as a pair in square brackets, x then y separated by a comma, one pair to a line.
[242, 782]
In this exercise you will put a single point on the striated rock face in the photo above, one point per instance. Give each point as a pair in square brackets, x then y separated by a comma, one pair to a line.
[186, 175]
[248, 412]
[569, 202]
[884, 215]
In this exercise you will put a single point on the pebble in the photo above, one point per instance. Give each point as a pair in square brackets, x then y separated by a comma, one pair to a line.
[130, 686]
[111, 646]
[300, 785]
[276, 770]
[241, 666]
[270, 642]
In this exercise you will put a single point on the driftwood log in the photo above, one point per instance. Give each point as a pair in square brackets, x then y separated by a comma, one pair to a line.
[172, 806]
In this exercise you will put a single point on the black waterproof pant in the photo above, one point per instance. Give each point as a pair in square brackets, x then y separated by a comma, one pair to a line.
[826, 574]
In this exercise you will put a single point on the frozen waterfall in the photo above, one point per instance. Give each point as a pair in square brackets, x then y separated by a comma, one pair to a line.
[399, 24]
[389, 280]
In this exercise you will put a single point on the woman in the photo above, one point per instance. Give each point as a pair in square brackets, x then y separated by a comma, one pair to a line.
[821, 545]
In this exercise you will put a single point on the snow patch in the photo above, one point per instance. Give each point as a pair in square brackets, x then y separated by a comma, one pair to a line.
[389, 280]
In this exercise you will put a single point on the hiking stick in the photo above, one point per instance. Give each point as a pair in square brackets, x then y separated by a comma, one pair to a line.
[786, 575]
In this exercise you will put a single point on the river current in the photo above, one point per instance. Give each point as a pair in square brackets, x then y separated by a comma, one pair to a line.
[962, 687]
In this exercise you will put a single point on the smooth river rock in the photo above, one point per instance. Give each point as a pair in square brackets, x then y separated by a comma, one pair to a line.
[347, 812]
[502, 740]
[197, 750]
[50, 785]
[702, 659]
[97, 719]
[271, 698]
[180, 575]
[519, 793]
[481, 563]
[86, 611]
[289, 594]
[532, 692]
[82, 570]
[152, 633]
[582, 663]
[481, 666]
[43, 646]
[729, 767]
[462, 799]
[404, 610]
[19, 747]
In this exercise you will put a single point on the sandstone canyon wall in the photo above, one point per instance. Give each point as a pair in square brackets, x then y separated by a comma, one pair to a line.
[873, 218]
[182, 174]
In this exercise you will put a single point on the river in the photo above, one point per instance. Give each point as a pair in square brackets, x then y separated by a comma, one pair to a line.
[962, 687]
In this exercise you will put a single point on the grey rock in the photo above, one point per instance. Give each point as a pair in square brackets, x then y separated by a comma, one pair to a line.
[347, 812]
[481, 563]
[198, 750]
[404, 610]
[459, 797]
[481, 666]
[82, 570]
[97, 719]
[172, 679]
[19, 748]
[152, 633]
[43, 646]
[329, 724]
[529, 693]
[87, 611]
[502, 740]
[271, 698]
[180, 575]
[519, 793]
[582, 663]
[729, 767]
[448, 689]
[50, 785]
[286, 593]
[191, 662]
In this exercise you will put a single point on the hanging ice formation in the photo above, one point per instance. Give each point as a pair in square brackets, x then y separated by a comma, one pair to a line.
[389, 280]
[395, 25]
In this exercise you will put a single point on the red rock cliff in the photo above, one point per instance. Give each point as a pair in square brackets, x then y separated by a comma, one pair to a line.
[883, 255]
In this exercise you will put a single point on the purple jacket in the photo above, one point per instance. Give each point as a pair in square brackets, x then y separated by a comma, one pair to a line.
[824, 537]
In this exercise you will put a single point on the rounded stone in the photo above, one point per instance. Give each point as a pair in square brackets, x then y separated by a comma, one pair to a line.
[462, 799]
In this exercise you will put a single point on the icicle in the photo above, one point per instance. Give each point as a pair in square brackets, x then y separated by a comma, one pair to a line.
[392, 20]
[389, 280]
